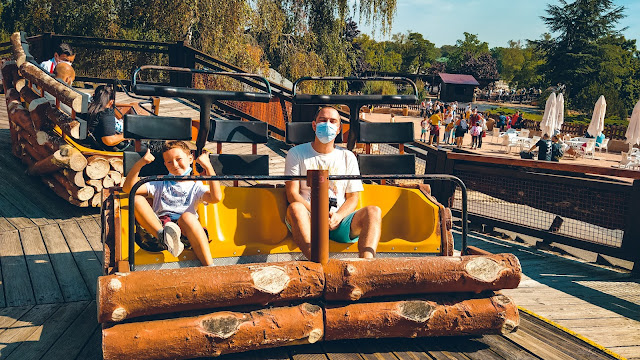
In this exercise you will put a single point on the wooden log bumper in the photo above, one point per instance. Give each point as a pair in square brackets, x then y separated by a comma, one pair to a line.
[129, 295]
[9, 74]
[353, 279]
[18, 52]
[28, 95]
[436, 316]
[97, 168]
[71, 158]
[213, 334]
[49, 84]
[67, 125]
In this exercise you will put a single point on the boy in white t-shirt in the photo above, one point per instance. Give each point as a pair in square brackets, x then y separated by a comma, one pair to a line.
[174, 202]
[346, 224]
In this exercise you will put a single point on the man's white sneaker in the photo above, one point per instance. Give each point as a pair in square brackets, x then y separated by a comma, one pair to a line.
[171, 238]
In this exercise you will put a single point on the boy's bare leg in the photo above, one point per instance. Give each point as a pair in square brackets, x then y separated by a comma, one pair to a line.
[145, 215]
[190, 226]
[298, 218]
[366, 223]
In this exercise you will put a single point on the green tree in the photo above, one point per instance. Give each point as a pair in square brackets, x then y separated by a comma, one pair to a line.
[470, 45]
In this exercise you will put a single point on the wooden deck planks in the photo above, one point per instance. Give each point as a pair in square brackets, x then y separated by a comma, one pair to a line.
[80, 330]
[15, 274]
[92, 350]
[9, 315]
[26, 206]
[69, 277]
[92, 231]
[88, 264]
[43, 278]
[13, 214]
[27, 325]
[38, 343]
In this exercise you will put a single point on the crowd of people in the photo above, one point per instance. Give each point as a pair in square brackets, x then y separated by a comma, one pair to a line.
[456, 122]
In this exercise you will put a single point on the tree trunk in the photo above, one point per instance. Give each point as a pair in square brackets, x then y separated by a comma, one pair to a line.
[61, 92]
[164, 291]
[67, 125]
[61, 191]
[38, 111]
[108, 182]
[97, 167]
[28, 95]
[213, 334]
[115, 176]
[350, 280]
[48, 140]
[433, 316]
[20, 116]
[71, 158]
[36, 152]
[96, 201]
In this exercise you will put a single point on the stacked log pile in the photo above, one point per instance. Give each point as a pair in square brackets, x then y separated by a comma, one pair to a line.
[74, 176]
[143, 313]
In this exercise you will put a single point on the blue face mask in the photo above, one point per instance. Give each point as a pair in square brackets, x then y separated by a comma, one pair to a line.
[186, 173]
[326, 132]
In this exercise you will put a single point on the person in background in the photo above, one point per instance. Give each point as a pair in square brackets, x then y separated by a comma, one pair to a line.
[423, 129]
[448, 119]
[63, 54]
[461, 129]
[392, 119]
[557, 148]
[102, 123]
[434, 130]
[545, 148]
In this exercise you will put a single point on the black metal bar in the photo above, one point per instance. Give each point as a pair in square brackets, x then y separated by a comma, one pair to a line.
[121, 41]
[136, 186]
[353, 78]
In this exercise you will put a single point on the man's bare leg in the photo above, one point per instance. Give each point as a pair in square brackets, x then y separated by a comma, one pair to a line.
[366, 223]
[298, 218]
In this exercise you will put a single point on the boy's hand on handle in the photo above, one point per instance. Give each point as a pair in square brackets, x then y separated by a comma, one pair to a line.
[148, 158]
[204, 161]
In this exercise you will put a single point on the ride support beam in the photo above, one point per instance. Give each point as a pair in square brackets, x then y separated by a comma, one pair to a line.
[128, 295]
[351, 280]
[214, 334]
[318, 181]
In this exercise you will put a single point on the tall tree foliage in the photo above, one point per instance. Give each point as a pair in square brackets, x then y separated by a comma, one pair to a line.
[588, 55]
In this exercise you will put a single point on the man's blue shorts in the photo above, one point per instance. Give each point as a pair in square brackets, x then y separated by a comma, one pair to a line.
[341, 233]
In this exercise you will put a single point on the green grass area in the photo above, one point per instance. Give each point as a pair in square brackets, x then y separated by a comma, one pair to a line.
[575, 119]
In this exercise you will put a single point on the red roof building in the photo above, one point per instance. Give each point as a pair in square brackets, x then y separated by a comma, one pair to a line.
[457, 87]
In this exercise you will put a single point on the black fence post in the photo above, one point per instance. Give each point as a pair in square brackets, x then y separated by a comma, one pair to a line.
[631, 238]
[181, 56]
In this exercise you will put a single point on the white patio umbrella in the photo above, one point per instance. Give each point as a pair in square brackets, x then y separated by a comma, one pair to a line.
[559, 111]
[597, 119]
[548, 123]
[633, 130]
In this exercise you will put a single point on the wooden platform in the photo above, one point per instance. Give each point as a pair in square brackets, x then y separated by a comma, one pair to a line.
[50, 254]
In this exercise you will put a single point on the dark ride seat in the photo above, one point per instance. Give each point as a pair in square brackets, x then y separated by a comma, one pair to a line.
[302, 132]
[386, 133]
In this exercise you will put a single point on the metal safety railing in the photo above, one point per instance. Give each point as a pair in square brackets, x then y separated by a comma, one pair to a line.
[318, 182]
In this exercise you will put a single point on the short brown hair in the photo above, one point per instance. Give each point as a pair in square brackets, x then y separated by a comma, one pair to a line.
[179, 144]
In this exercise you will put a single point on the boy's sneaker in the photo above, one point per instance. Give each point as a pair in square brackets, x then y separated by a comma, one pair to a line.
[171, 238]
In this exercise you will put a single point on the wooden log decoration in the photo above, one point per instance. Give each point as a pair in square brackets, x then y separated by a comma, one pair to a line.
[81, 193]
[38, 110]
[355, 279]
[67, 125]
[129, 295]
[62, 192]
[12, 98]
[28, 95]
[96, 183]
[44, 166]
[108, 182]
[71, 158]
[20, 116]
[9, 74]
[49, 140]
[115, 176]
[117, 164]
[96, 201]
[97, 167]
[18, 52]
[49, 84]
[437, 316]
[213, 334]
[36, 152]
[75, 177]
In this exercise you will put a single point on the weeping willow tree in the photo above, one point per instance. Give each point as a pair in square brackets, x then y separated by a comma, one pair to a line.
[295, 37]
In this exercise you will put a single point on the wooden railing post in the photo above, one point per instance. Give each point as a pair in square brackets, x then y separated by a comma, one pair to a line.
[181, 56]
[318, 180]
[631, 238]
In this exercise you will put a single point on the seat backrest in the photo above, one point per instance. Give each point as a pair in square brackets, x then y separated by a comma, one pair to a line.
[506, 139]
[625, 158]
[524, 133]
[157, 167]
[387, 164]
[496, 131]
[535, 139]
[391, 133]
[302, 132]
[237, 131]
[231, 164]
[604, 143]
[591, 144]
[150, 127]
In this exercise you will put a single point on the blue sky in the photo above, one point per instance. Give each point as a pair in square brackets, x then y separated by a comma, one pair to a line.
[494, 21]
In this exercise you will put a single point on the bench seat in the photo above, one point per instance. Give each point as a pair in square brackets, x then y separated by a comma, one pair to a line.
[250, 221]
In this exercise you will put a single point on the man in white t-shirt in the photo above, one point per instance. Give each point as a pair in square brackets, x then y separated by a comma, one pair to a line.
[346, 224]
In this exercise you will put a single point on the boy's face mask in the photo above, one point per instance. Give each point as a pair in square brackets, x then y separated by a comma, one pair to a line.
[326, 131]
